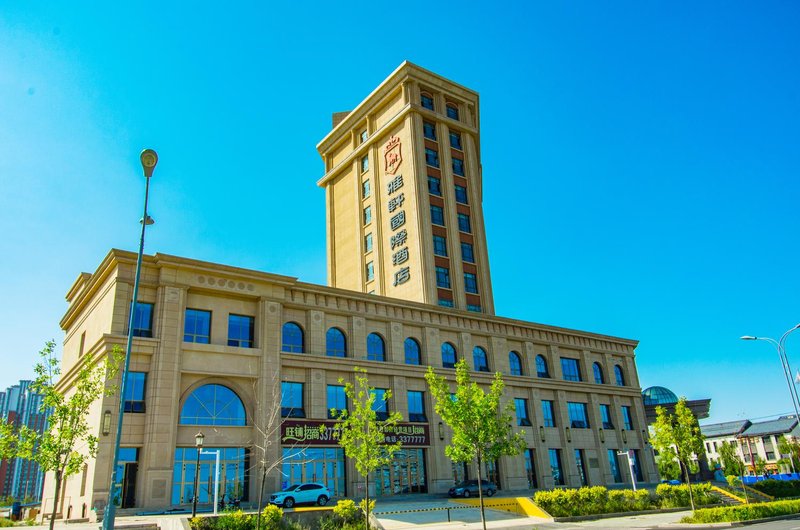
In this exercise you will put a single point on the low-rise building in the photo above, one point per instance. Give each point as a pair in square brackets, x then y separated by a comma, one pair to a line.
[753, 441]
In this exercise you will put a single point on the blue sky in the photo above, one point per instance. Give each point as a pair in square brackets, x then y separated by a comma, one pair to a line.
[646, 152]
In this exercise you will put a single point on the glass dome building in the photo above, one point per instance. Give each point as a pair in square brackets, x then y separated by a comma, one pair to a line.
[658, 395]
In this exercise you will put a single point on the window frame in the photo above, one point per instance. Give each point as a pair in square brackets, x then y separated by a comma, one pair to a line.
[135, 387]
[523, 418]
[408, 355]
[380, 405]
[539, 373]
[452, 112]
[419, 416]
[458, 167]
[334, 415]
[195, 336]
[374, 339]
[432, 157]
[288, 410]
[464, 223]
[334, 351]
[446, 349]
[139, 331]
[471, 283]
[514, 358]
[437, 215]
[578, 415]
[574, 376]
[467, 257]
[548, 413]
[457, 144]
[443, 277]
[605, 416]
[238, 342]
[461, 194]
[434, 186]
[597, 371]
[290, 347]
[364, 164]
[429, 127]
[480, 359]
[619, 375]
[439, 246]
[426, 101]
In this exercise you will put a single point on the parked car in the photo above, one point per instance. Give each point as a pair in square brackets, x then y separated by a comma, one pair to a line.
[306, 493]
[672, 482]
[469, 488]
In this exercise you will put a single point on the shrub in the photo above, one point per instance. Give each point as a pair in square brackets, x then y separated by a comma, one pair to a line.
[592, 500]
[779, 488]
[236, 520]
[6, 523]
[347, 510]
[271, 517]
[678, 496]
[743, 512]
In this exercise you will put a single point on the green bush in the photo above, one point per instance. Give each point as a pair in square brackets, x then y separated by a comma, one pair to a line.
[347, 510]
[678, 496]
[778, 488]
[4, 523]
[743, 512]
[235, 520]
[592, 500]
[271, 517]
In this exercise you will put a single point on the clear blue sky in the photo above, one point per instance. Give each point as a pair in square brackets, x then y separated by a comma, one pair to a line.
[647, 153]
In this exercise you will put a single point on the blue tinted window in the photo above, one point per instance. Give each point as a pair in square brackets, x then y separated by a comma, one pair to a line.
[455, 140]
[440, 246]
[368, 242]
[578, 418]
[376, 350]
[426, 101]
[515, 363]
[337, 400]
[197, 326]
[370, 271]
[365, 164]
[548, 418]
[134, 391]
[463, 223]
[240, 331]
[444, 302]
[380, 405]
[416, 406]
[467, 253]
[612, 464]
[443, 277]
[458, 169]
[627, 423]
[448, 355]
[461, 194]
[470, 283]
[292, 338]
[234, 469]
[521, 408]
[335, 343]
[143, 320]
[213, 405]
[452, 111]
[479, 358]
[437, 215]
[431, 157]
[292, 400]
[474, 307]
[605, 416]
[429, 130]
[598, 374]
[570, 369]
[541, 367]
[367, 215]
[618, 375]
[555, 466]
[411, 348]
[434, 185]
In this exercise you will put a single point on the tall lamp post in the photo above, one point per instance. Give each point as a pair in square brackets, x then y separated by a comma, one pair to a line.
[149, 159]
[780, 345]
[198, 443]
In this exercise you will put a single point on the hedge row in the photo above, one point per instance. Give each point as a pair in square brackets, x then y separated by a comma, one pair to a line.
[743, 512]
[597, 499]
[778, 488]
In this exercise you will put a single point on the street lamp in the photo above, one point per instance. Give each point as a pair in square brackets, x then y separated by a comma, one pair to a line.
[198, 442]
[149, 159]
[780, 345]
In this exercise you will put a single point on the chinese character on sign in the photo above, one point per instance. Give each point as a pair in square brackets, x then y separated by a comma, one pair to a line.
[401, 256]
[393, 155]
[396, 202]
[394, 184]
[399, 238]
[398, 220]
[401, 276]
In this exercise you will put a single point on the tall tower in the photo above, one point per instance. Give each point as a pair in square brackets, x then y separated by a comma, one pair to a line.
[404, 194]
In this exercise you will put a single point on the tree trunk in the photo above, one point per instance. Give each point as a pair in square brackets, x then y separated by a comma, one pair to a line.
[55, 499]
[261, 496]
[480, 493]
[688, 483]
[366, 501]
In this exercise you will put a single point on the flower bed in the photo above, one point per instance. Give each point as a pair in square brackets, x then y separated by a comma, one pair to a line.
[744, 512]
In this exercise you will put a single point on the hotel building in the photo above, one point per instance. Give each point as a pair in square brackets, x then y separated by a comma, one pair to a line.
[219, 348]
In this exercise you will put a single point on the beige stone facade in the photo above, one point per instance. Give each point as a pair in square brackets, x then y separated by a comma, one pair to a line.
[176, 359]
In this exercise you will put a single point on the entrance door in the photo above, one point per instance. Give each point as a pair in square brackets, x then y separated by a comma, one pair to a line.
[129, 485]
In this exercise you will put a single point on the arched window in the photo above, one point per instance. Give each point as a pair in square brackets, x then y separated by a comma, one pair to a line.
[515, 363]
[335, 343]
[618, 375]
[598, 374]
[541, 367]
[479, 358]
[411, 347]
[213, 405]
[452, 111]
[376, 351]
[426, 100]
[292, 338]
[448, 355]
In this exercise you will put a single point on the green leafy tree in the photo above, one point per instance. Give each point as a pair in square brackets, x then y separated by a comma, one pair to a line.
[668, 466]
[760, 466]
[680, 432]
[790, 451]
[67, 443]
[362, 435]
[482, 429]
[730, 460]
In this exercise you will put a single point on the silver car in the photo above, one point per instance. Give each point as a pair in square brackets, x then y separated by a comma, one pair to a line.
[307, 493]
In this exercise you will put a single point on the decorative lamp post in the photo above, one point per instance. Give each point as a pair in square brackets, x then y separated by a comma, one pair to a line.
[780, 345]
[198, 443]
[149, 159]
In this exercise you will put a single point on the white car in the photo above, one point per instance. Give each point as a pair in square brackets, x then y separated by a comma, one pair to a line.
[310, 492]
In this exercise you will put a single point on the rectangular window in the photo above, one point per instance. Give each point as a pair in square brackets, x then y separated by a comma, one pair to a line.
[431, 157]
[429, 130]
[578, 419]
[337, 400]
[443, 277]
[416, 406]
[434, 186]
[461, 194]
[463, 223]
[368, 242]
[570, 369]
[470, 283]
[292, 400]
[627, 423]
[548, 418]
[365, 164]
[365, 189]
[444, 302]
[437, 215]
[555, 466]
[363, 136]
[240, 331]
[530, 468]
[614, 465]
[380, 405]
[452, 111]
[521, 407]
[637, 469]
[458, 167]
[440, 246]
[367, 215]
[370, 272]
[143, 320]
[426, 101]
[455, 140]
[467, 253]
[474, 307]
[197, 326]
[605, 416]
[134, 391]
[581, 467]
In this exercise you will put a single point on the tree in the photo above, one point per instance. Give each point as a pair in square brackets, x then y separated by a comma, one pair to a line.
[481, 427]
[680, 432]
[730, 460]
[668, 467]
[790, 451]
[66, 443]
[362, 435]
